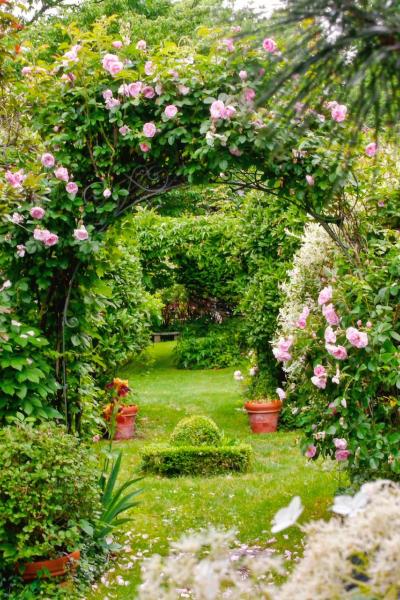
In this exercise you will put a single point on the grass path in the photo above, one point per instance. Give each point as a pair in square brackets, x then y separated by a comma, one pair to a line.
[169, 507]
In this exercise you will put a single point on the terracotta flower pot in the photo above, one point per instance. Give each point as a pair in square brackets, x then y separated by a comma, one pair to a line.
[263, 416]
[50, 568]
[125, 422]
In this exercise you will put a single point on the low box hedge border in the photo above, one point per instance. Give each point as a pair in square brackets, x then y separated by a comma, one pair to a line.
[172, 461]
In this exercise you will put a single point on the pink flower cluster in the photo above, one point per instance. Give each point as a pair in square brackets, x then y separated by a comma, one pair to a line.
[341, 453]
[218, 110]
[15, 179]
[112, 64]
[281, 351]
[320, 377]
[358, 339]
[45, 236]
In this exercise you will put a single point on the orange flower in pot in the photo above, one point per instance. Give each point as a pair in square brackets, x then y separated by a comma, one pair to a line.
[120, 414]
[263, 414]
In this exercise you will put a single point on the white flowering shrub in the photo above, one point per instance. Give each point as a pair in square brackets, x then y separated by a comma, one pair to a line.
[356, 554]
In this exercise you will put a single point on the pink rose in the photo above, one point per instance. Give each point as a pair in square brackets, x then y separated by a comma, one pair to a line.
[50, 239]
[235, 152]
[17, 219]
[281, 393]
[71, 187]
[311, 451]
[319, 382]
[328, 310]
[281, 351]
[340, 443]
[149, 67]
[96, 438]
[144, 147]
[141, 45]
[269, 45]
[249, 95]
[149, 130]
[229, 112]
[174, 73]
[112, 103]
[338, 352]
[26, 71]
[339, 112]
[310, 179]
[47, 160]
[123, 90]
[148, 92]
[117, 44]
[325, 295]
[170, 111]
[107, 94]
[40, 234]
[183, 89]
[61, 173]
[320, 371]
[217, 109]
[358, 339]
[124, 130]
[37, 212]
[342, 455]
[135, 88]
[229, 44]
[112, 64]
[107, 193]
[81, 233]
[243, 75]
[302, 320]
[368, 324]
[330, 336]
[21, 249]
[15, 179]
[371, 149]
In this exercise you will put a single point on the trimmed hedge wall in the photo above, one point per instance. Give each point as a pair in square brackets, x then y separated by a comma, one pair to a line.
[189, 460]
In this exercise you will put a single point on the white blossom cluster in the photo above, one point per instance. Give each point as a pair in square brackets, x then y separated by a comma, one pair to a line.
[354, 555]
[312, 264]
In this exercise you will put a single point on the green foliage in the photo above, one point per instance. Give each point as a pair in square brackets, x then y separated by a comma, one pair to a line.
[122, 328]
[27, 381]
[190, 460]
[217, 346]
[48, 486]
[115, 499]
[196, 431]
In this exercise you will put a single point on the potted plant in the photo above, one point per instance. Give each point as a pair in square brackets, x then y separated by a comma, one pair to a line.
[120, 412]
[48, 492]
[263, 413]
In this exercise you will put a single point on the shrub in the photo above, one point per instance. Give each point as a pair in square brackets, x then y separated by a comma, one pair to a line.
[216, 347]
[189, 460]
[48, 485]
[196, 431]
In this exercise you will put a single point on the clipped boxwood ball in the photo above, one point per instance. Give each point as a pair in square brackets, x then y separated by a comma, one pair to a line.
[196, 431]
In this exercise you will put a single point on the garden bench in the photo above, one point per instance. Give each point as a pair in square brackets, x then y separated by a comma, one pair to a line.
[165, 336]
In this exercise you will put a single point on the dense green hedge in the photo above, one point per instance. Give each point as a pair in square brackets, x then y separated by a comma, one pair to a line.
[189, 460]
[196, 431]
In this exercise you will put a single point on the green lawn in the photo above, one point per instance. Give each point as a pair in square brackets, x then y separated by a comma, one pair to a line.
[247, 502]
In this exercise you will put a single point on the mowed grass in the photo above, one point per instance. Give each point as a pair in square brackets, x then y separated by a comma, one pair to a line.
[170, 507]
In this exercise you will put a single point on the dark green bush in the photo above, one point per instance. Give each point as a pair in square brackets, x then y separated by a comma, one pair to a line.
[48, 485]
[196, 431]
[210, 347]
[189, 460]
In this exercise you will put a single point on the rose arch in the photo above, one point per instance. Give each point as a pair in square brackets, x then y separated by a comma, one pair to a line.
[121, 124]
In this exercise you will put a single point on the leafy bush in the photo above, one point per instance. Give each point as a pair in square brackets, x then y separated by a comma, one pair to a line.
[190, 460]
[48, 486]
[219, 346]
[196, 431]
[343, 365]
